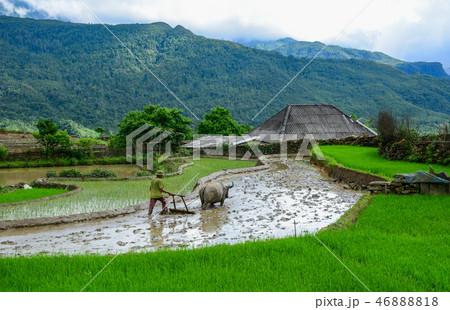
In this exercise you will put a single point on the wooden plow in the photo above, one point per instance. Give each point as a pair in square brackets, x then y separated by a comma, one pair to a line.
[175, 210]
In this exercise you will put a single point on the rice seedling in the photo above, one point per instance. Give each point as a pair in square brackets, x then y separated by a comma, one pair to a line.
[399, 243]
[366, 159]
[29, 194]
[109, 195]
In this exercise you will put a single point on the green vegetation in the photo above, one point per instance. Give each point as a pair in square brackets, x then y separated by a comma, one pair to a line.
[155, 116]
[101, 173]
[399, 243]
[220, 121]
[52, 140]
[64, 162]
[108, 195]
[399, 140]
[78, 72]
[300, 49]
[86, 144]
[144, 174]
[366, 159]
[3, 153]
[96, 173]
[29, 194]
[100, 130]
[51, 174]
[70, 173]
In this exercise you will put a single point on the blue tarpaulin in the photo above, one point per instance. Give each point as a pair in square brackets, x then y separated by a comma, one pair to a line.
[418, 177]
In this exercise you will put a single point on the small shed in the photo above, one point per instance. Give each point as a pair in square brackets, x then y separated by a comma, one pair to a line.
[214, 141]
[321, 121]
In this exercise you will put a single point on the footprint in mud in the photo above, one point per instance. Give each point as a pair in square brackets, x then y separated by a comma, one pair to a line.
[121, 243]
[7, 242]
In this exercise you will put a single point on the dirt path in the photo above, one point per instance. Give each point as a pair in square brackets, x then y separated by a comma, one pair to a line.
[261, 205]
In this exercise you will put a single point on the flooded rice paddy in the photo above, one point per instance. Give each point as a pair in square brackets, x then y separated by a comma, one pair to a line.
[12, 176]
[271, 204]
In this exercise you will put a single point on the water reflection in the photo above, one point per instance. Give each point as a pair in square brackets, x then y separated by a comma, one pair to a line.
[12, 176]
[213, 219]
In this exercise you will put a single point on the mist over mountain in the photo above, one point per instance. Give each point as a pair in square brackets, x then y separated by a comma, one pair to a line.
[80, 74]
[18, 8]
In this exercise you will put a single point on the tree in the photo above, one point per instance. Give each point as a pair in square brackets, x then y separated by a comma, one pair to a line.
[220, 121]
[387, 126]
[52, 140]
[156, 116]
[3, 153]
[86, 144]
[100, 130]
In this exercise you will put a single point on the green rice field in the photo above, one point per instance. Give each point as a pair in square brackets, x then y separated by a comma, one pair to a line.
[107, 195]
[399, 243]
[29, 194]
[366, 159]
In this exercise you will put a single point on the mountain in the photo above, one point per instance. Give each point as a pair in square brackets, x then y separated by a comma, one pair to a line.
[299, 49]
[81, 73]
[18, 8]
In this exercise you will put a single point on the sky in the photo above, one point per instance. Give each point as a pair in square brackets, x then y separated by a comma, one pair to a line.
[412, 30]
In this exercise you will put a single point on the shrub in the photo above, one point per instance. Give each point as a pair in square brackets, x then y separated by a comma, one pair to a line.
[387, 126]
[400, 150]
[70, 173]
[3, 153]
[182, 152]
[51, 174]
[6, 189]
[86, 144]
[430, 153]
[76, 153]
[143, 173]
[101, 173]
[73, 161]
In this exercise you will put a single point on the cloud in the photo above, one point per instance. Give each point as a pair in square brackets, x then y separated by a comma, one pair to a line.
[406, 29]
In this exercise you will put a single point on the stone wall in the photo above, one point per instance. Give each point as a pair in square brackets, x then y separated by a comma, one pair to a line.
[385, 187]
[293, 147]
[25, 147]
[365, 140]
[21, 146]
[436, 152]
[354, 179]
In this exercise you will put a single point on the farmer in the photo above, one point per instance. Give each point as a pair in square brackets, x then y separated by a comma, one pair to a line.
[156, 190]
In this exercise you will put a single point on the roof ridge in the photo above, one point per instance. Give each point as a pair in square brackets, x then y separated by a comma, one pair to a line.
[325, 121]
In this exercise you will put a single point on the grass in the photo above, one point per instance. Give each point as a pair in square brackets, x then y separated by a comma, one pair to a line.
[399, 243]
[63, 162]
[366, 159]
[107, 195]
[29, 194]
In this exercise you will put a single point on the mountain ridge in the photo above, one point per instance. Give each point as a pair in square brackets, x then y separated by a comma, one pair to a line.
[290, 47]
[79, 72]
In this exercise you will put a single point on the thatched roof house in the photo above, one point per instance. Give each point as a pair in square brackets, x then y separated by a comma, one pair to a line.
[322, 121]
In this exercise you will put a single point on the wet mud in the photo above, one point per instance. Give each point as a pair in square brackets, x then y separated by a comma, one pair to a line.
[292, 197]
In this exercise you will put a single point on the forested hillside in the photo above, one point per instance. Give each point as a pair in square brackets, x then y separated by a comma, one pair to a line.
[81, 73]
[299, 49]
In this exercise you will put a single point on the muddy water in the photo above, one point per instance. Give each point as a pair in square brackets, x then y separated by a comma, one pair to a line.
[262, 205]
[16, 175]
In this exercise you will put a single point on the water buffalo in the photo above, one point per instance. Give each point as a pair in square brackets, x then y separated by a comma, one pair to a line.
[213, 192]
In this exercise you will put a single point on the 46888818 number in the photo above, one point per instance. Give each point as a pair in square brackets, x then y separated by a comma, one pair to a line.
[407, 301]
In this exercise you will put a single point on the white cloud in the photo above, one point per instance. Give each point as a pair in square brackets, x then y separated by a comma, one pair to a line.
[407, 29]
